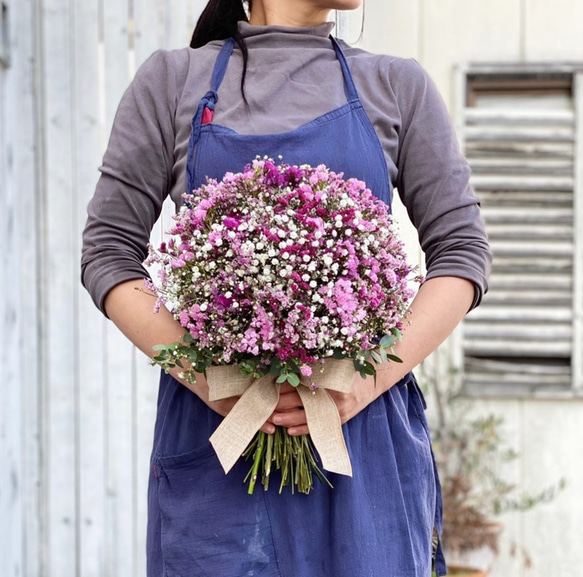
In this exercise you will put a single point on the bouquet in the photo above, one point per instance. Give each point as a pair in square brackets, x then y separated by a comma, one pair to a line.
[282, 274]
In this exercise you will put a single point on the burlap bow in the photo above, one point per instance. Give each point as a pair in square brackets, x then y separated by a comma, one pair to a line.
[258, 400]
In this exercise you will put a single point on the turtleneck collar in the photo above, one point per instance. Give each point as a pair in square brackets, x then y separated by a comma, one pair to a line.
[320, 30]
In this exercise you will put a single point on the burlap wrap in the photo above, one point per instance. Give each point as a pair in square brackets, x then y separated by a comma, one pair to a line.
[259, 399]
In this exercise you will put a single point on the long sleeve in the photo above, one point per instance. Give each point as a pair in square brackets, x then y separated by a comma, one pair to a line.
[433, 182]
[135, 179]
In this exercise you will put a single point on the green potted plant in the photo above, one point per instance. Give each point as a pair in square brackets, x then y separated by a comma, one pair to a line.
[470, 451]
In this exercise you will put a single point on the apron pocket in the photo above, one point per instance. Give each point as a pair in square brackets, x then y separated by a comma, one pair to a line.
[209, 525]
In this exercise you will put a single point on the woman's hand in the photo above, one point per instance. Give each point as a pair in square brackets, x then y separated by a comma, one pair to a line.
[289, 411]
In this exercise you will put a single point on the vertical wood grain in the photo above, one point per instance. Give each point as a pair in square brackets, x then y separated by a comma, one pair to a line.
[145, 17]
[11, 474]
[119, 369]
[23, 179]
[59, 268]
[90, 323]
[176, 24]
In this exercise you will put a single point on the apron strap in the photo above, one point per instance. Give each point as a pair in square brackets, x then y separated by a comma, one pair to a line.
[349, 87]
[221, 64]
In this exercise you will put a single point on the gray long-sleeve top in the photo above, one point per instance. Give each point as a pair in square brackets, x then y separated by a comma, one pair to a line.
[293, 76]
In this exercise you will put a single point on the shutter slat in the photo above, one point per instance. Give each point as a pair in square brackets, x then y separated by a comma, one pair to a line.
[489, 116]
[553, 298]
[523, 314]
[491, 164]
[486, 379]
[531, 215]
[525, 149]
[524, 198]
[531, 249]
[519, 368]
[542, 266]
[511, 182]
[513, 348]
[530, 232]
[528, 134]
[534, 282]
[534, 332]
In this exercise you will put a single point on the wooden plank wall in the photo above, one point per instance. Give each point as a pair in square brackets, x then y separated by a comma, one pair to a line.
[545, 432]
[78, 403]
[20, 356]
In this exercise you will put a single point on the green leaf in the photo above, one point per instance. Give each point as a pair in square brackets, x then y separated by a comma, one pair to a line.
[394, 358]
[282, 378]
[387, 341]
[376, 357]
[383, 354]
[369, 368]
[275, 368]
[293, 380]
[159, 347]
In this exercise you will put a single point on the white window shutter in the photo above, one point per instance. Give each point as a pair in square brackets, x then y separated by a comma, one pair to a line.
[520, 340]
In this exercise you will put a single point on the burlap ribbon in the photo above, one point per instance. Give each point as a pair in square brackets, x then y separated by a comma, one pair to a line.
[258, 400]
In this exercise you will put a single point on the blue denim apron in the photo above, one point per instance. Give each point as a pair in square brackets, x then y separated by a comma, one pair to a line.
[379, 523]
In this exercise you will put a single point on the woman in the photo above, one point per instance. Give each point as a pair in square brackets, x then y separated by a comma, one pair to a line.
[285, 87]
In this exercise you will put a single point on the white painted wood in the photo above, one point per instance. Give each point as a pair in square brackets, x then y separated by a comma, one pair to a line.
[146, 29]
[86, 139]
[393, 27]
[177, 30]
[517, 116]
[507, 133]
[11, 474]
[120, 386]
[505, 215]
[515, 165]
[532, 332]
[59, 297]
[27, 180]
[522, 183]
[552, 448]
[516, 314]
[553, 32]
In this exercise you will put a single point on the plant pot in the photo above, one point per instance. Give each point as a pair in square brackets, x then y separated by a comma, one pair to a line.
[453, 571]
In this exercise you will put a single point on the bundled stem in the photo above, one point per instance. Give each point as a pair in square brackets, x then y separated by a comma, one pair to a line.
[294, 457]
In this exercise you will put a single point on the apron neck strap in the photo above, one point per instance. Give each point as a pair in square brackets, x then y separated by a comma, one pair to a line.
[222, 62]
[349, 87]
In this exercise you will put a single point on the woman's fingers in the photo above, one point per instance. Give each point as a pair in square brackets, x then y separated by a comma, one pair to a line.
[288, 401]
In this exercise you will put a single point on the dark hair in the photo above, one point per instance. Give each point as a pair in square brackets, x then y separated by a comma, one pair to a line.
[218, 21]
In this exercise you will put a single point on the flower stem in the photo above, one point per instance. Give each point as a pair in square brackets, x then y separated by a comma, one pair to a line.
[256, 462]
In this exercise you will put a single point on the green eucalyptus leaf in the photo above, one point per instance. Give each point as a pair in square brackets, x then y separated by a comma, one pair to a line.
[387, 341]
[293, 380]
